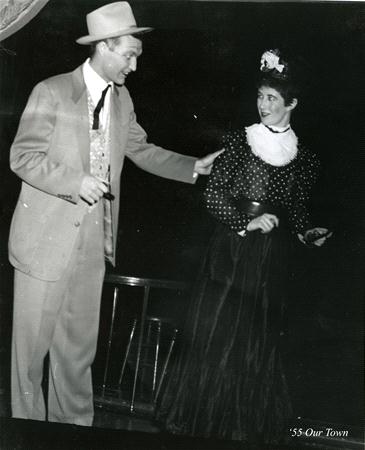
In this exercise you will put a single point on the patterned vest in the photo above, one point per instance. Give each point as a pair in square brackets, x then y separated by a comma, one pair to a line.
[100, 167]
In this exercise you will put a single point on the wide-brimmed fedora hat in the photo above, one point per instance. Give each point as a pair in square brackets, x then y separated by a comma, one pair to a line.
[112, 20]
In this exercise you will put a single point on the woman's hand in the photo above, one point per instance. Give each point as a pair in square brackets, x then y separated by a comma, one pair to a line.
[266, 222]
[315, 236]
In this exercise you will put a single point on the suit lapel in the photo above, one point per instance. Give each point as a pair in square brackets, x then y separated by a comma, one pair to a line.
[79, 98]
[115, 141]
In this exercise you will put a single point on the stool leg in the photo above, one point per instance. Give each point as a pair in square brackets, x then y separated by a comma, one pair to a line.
[140, 340]
[167, 359]
[115, 299]
[157, 349]
[145, 353]
[127, 352]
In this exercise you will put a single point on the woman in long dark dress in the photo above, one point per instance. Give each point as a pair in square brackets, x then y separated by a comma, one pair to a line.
[228, 381]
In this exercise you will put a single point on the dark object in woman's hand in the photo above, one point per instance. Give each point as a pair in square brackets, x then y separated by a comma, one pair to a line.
[314, 235]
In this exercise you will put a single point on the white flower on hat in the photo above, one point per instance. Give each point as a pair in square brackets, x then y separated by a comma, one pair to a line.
[269, 61]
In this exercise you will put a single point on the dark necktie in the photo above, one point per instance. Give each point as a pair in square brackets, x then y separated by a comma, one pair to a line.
[98, 108]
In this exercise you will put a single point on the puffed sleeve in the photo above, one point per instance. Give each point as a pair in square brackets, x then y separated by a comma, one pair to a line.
[305, 177]
[218, 193]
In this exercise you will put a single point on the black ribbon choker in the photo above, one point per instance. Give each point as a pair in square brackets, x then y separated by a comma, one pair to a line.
[277, 131]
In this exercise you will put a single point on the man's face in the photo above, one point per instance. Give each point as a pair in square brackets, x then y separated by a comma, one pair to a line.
[271, 107]
[120, 59]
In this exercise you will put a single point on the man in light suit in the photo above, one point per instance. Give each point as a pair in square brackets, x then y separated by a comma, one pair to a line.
[69, 150]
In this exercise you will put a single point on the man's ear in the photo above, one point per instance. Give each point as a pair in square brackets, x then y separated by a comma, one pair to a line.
[101, 47]
[293, 104]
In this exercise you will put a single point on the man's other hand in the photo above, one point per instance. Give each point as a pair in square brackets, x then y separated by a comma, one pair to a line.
[203, 166]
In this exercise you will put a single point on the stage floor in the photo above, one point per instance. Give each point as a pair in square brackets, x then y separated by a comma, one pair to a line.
[17, 434]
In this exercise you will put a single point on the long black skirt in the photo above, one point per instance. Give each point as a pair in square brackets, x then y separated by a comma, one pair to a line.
[227, 380]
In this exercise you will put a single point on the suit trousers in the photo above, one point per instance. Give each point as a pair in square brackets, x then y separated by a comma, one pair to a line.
[60, 317]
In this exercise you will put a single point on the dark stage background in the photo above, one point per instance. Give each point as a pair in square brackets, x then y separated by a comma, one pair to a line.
[195, 80]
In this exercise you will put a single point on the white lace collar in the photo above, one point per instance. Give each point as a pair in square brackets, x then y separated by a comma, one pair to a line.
[277, 149]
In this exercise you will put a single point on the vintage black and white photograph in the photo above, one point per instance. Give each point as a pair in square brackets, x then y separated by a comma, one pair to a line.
[182, 221]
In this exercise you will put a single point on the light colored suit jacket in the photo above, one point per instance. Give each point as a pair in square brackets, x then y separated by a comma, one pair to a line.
[51, 153]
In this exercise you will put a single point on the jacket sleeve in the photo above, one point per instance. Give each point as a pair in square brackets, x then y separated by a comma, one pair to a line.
[219, 199]
[155, 159]
[306, 176]
[30, 153]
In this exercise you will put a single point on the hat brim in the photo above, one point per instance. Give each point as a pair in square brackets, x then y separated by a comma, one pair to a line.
[89, 39]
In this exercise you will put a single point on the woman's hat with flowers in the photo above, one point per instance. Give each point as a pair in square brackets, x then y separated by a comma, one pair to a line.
[273, 63]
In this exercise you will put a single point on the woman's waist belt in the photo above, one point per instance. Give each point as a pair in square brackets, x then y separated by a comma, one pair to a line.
[254, 209]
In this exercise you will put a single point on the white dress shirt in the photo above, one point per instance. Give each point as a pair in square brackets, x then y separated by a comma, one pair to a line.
[95, 85]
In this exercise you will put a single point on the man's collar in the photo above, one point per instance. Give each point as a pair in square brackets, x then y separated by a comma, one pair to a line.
[94, 82]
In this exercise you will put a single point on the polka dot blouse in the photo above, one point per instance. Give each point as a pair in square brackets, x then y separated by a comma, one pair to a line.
[239, 173]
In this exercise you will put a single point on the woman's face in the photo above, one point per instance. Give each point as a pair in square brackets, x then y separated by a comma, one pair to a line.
[272, 109]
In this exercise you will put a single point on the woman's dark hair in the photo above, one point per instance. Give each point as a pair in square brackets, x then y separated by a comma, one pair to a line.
[287, 88]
